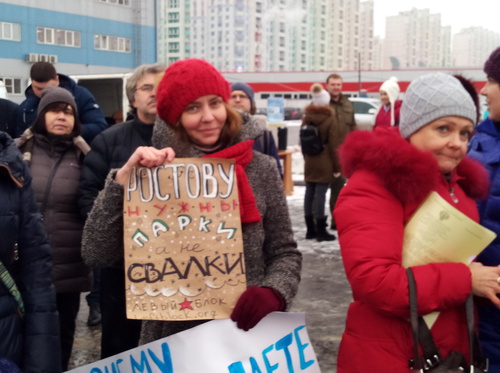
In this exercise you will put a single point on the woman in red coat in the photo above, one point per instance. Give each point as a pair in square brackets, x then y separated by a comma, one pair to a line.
[386, 185]
[388, 113]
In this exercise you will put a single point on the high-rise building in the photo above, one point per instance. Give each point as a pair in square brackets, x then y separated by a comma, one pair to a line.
[78, 36]
[366, 38]
[415, 38]
[472, 46]
[265, 35]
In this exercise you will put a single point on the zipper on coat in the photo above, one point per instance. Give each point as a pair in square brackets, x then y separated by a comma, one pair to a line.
[453, 196]
[49, 184]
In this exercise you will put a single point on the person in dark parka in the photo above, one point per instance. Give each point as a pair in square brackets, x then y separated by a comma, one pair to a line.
[32, 342]
[485, 147]
[8, 111]
[53, 150]
[43, 74]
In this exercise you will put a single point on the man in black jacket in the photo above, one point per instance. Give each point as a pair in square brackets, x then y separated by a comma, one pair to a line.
[42, 75]
[111, 149]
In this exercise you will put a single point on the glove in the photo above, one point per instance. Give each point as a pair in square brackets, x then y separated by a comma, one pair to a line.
[254, 304]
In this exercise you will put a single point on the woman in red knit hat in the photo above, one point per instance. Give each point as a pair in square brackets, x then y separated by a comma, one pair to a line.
[196, 121]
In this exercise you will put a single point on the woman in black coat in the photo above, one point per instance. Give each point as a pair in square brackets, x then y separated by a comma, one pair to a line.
[30, 338]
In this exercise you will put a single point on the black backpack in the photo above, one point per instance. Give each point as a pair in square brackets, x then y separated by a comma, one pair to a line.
[310, 141]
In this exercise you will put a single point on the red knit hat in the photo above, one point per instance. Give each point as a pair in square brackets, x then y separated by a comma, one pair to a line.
[492, 65]
[184, 82]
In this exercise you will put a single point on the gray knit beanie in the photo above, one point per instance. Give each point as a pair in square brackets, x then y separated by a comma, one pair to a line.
[431, 97]
[54, 94]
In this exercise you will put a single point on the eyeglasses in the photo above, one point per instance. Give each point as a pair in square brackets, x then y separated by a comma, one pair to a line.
[146, 88]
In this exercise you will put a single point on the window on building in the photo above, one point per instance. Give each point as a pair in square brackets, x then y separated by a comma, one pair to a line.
[173, 32]
[10, 31]
[258, 7]
[12, 85]
[173, 3]
[173, 47]
[112, 43]
[65, 38]
[173, 17]
[171, 60]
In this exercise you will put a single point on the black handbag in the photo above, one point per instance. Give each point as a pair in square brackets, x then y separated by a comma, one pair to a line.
[432, 361]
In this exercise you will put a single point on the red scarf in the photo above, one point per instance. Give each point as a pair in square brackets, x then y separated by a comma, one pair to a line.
[242, 153]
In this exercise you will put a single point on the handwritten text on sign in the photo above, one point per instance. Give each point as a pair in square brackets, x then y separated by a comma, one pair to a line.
[183, 244]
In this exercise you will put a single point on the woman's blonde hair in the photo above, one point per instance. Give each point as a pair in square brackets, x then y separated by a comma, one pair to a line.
[231, 128]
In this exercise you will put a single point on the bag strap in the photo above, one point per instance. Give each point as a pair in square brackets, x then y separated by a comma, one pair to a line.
[417, 362]
[9, 283]
[477, 359]
[422, 335]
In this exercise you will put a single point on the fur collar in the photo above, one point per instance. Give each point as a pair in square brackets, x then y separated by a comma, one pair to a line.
[408, 173]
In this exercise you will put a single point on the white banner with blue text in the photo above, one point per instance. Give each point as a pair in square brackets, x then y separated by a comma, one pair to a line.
[279, 344]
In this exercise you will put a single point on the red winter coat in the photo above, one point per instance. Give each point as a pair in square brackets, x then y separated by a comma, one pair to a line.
[383, 118]
[385, 186]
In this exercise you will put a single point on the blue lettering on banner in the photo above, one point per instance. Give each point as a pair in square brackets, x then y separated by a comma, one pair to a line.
[289, 344]
[115, 368]
[165, 366]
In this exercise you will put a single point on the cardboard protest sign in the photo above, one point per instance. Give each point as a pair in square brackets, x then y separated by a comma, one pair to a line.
[279, 343]
[183, 243]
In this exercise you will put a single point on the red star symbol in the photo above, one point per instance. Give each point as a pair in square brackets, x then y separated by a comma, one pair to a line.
[186, 304]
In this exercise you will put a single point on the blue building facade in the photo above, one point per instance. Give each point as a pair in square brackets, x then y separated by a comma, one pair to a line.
[77, 36]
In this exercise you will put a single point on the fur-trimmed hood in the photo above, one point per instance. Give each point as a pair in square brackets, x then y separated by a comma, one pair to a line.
[408, 173]
[317, 114]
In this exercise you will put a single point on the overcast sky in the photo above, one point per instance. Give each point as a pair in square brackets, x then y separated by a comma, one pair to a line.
[455, 13]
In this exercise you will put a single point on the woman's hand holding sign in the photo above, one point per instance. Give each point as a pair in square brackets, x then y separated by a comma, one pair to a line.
[146, 156]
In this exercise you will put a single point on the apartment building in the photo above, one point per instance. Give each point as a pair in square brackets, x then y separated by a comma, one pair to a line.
[78, 36]
[472, 46]
[264, 35]
[415, 38]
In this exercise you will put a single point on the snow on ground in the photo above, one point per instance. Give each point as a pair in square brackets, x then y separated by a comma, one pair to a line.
[296, 208]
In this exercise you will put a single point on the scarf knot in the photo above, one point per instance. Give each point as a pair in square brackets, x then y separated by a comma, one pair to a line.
[242, 153]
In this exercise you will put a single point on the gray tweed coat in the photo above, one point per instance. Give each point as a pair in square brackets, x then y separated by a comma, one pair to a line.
[271, 255]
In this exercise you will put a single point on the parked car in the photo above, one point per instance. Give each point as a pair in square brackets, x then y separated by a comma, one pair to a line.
[364, 111]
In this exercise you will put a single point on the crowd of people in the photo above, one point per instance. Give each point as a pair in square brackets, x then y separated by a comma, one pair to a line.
[64, 172]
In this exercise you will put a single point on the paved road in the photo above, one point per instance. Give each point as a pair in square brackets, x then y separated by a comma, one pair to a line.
[323, 295]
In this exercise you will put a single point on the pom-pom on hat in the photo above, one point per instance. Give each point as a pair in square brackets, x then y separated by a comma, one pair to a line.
[185, 81]
[431, 97]
[53, 94]
[492, 65]
[319, 95]
[240, 86]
